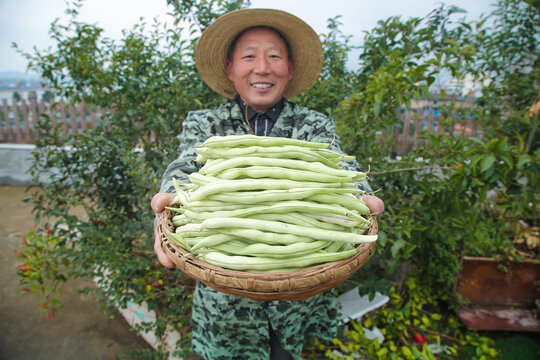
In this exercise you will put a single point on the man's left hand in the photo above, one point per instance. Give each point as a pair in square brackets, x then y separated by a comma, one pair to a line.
[375, 204]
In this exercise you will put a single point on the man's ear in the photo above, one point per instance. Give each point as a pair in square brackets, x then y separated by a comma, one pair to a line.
[291, 69]
[228, 66]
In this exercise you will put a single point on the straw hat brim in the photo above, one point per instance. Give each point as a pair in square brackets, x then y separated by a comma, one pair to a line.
[214, 43]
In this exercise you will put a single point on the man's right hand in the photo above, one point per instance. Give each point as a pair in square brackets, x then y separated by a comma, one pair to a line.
[158, 203]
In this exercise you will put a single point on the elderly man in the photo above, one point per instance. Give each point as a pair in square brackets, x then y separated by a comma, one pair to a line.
[257, 58]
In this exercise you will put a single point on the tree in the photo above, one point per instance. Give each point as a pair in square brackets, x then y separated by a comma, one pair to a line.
[16, 96]
[148, 83]
[427, 227]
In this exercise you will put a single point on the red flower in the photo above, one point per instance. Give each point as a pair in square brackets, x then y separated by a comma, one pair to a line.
[24, 267]
[420, 338]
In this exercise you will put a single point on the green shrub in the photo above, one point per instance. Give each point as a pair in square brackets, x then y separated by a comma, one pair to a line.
[411, 327]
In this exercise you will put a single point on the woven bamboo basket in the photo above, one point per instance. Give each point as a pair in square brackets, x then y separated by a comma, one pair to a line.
[285, 286]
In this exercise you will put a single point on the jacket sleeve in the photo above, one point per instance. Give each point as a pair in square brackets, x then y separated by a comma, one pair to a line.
[195, 130]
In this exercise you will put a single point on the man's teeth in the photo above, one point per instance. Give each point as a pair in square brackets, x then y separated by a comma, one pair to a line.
[261, 86]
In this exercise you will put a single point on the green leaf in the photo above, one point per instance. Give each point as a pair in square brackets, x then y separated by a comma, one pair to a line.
[399, 244]
[475, 159]
[487, 162]
[508, 160]
[523, 159]
[406, 351]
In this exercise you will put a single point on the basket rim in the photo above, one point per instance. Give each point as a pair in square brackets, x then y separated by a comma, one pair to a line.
[293, 285]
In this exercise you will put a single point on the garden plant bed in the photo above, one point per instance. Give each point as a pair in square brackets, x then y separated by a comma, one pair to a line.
[499, 300]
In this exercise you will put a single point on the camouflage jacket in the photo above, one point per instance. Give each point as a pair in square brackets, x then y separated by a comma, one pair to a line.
[233, 327]
[295, 122]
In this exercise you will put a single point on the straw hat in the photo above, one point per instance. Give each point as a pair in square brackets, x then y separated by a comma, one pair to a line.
[211, 51]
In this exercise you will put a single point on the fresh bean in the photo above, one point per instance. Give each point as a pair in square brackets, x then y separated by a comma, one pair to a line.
[258, 172]
[201, 180]
[252, 140]
[259, 249]
[267, 237]
[212, 205]
[179, 240]
[211, 240]
[238, 262]
[340, 220]
[352, 203]
[298, 219]
[180, 219]
[282, 207]
[275, 152]
[255, 197]
[241, 162]
[278, 227]
[182, 197]
[257, 184]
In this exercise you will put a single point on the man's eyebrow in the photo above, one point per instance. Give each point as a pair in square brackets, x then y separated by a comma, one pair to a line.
[255, 47]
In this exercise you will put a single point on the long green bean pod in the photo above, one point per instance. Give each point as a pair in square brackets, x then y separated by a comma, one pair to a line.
[260, 249]
[211, 240]
[179, 240]
[241, 162]
[258, 172]
[297, 218]
[267, 237]
[238, 262]
[276, 152]
[180, 219]
[340, 220]
[257, 184]
[282, 207]
[352, 203]
[212, 205]
[278, 227]
[252, 140]
[255, 197]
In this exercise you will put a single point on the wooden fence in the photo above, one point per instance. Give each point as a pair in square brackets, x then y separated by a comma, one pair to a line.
[18, 122]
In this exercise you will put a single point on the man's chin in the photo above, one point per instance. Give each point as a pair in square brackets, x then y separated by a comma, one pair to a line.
[262, 103]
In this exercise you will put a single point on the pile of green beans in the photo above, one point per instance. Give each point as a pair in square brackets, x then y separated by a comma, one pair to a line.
[267, 204]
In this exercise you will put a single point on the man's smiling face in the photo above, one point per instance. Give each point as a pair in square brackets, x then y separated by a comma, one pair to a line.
[260, 68]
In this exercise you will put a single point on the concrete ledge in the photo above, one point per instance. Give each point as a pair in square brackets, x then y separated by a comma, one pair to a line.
[15, 160]
[136, 314]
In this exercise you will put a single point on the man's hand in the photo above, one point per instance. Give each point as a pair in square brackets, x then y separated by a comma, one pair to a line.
[158, 203]
[375, 205]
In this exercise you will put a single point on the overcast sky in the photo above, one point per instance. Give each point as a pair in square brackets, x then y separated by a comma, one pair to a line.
[27, 22]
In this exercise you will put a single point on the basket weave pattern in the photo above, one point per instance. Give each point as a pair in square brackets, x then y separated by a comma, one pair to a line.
[286, 286]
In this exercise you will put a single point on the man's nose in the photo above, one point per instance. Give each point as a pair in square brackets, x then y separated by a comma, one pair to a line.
[261, 65]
